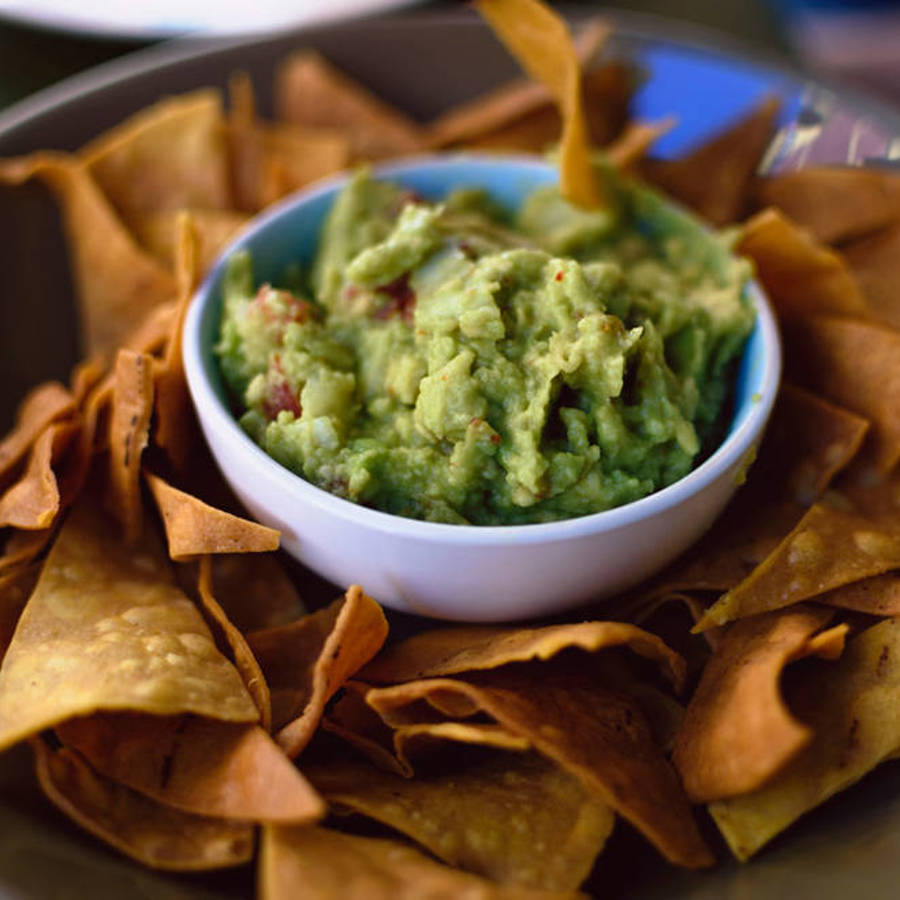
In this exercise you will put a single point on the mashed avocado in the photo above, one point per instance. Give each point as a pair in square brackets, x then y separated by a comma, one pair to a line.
[450, 363]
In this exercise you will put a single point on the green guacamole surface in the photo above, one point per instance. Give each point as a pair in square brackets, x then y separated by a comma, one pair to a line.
[456, 363]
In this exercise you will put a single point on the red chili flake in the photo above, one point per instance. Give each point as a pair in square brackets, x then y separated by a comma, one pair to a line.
[475, 420]
[402, 299]
[281, 397]
[495, 438]
[559, 275]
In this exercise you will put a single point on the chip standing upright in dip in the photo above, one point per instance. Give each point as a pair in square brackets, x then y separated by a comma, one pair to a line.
[457, 363]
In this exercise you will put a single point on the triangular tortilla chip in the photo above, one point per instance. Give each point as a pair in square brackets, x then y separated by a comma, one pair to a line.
[42, 405]
[335, 866]
[118, 282]
[852, 706]
[875, 263]
[22, 548]
[450, 651]
[34, 500]
[129, 433]
[86, 375]
[242, 656]
[306, 662]
[596, 734]
[200, 766]
[107, 629]
[540, 41]
[168, 156]
[831, 546]
[737, 732]
[631, 146]
[875, 596]
[311, 93]
[714, 179]
[550, 833]
[194, 528]
[857, 365]
[801, 276]
[834, 204]
[150, 833]
[16, 586]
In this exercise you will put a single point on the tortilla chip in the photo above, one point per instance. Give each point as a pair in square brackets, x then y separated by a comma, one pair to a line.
[714, 179]
[306, 662]
[194, 528]
[33, 502]
[737, 732]
[800, 276]
[875, 596]
[255, 591]
[242, 656]
[834, 204]
[199, 766]
[539, 39]
[152, 333]
[875, 263]
[175, 430]
[152, 834]
[631, 146]
[598, 735]
[855, 364]
[512, 817]
[215, 229]
[22, 548]
[118, 283]
[449, 651]
[129, 433]
[168, 156]
[42, 405]
[311, 93]
[107, 629]
[831, 546]
[16, 586]
[86, 375]
[335, 866]
[852, 707]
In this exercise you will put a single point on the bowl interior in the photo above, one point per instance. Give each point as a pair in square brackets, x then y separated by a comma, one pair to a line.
[289, 233]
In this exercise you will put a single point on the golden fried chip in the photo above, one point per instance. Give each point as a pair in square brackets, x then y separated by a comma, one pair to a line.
[449, 651]
[831, 546]
[599, 735]
[540, 41]
[335, 866]
[714, 179]
[631, 146]
[851, 706]
[169, 156]
[199, 766]
[875, 263]
[855, 364]
[311, 93]
[175, 432]
[737, 732]
[16, 586]
[86, 375]
[515, 818]
[42, 405]
[107, 629]
[33, 502]
[242, 656]
[129, 433]
[876, 596]
[194, 528]
[255, 591]
[215, 229]
[22, 548]
[150, 833]
[801, 276]
[118, 283]
[306, 662]
[834, 204]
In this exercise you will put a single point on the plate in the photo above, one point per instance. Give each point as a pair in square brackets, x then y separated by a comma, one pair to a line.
[851, 845]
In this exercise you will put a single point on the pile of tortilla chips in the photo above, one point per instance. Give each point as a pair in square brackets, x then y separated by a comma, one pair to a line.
[182, 703]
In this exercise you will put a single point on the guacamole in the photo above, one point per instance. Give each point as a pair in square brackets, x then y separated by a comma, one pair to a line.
[457, 363]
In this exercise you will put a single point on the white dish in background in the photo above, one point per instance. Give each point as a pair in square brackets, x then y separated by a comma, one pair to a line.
[462, 572]
[155, 19]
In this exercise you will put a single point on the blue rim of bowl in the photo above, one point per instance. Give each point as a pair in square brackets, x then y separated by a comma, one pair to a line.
[734, 450]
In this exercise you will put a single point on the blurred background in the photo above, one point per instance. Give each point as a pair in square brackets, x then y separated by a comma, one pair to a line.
[853, 41]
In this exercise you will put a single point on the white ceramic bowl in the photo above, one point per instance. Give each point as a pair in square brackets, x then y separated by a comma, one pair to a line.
[469, 573]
